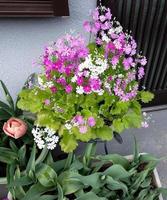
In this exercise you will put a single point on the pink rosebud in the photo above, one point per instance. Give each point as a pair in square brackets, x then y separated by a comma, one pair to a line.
[68, 88]
[15, 128]
[83, 129]
[79, 119]
[91, 121]
[53, 89]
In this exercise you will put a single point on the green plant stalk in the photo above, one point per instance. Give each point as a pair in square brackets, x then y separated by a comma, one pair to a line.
[3, 181]
[42, 156]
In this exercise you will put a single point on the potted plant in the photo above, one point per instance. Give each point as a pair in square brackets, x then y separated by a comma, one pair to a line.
[90, 176]
[87, 92]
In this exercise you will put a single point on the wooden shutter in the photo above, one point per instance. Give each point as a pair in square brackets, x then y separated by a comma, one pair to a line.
[33, 8]
[147, 19]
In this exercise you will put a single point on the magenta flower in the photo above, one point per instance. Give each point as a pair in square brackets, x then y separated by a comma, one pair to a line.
[83, 129]
[80, 81]
[91, 121]
[53, 89]
[87, 89]
[62, 81]
[68, 88]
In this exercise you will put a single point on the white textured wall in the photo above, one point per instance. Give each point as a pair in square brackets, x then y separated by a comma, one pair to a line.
[22, 41]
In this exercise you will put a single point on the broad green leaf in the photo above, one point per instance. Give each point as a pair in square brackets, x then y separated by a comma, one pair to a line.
[68, 143]
[46, 175]
[7, 155]
[146, 96]
[118, 125]
[117, 172]
[31, 162]
[104, 133]
[90, 196]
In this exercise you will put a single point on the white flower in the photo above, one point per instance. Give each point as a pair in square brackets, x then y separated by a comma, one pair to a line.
[105, 38]
[79, 90]
[45, 137]
[68, 126]
[74, 79]
[100, 92]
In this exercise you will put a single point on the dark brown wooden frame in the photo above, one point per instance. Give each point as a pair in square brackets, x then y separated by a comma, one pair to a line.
[33, 8]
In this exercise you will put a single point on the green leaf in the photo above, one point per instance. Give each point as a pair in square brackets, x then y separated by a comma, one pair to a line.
[114, 159]
[118, 125]
[22, 155]
[7, 155]
[68, 143]
[8, 96]
[31, 162]
[104, 133]
[132, 120]
[60, 192]
[117, 172]
[90, 196]
[146, 96]
[46, 175]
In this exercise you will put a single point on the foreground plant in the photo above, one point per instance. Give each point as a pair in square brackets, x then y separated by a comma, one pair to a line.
[87, 92]
[90, 176]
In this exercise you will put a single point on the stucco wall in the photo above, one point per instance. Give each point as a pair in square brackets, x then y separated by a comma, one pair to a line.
[22, 41]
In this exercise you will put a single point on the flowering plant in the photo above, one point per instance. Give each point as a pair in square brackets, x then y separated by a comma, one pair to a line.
[87, 91]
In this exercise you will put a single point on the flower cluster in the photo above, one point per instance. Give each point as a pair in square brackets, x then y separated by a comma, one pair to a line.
[45, 137]
[88, 91]
[81, 123]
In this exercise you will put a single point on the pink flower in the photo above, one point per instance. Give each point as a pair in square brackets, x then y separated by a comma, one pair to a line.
[108, 14]
[145, 124]
[15, 128]
[79, 119]
[80, 80]
[114, 60]
[102, 18]
[83, 129]
[87, 89]
[91, 121]
[95, 14]
[87, 26]
[141, 72]
[95, 83]
[68, 88]
[62, 81]
[143, 61]
[127, 62]
[53, 89]
[47, 102]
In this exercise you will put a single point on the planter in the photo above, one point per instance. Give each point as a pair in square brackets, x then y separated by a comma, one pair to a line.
[156, 177]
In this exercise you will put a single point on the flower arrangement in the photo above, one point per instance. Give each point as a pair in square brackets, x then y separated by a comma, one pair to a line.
[87, 91]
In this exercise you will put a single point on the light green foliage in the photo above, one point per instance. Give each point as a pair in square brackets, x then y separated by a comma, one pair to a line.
[146, 96]
[109, 112]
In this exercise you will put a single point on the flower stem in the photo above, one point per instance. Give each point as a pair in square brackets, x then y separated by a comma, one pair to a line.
[3, 181]
[42, 156]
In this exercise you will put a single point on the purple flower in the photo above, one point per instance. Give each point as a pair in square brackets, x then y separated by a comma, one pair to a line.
[62, 81]
[83, 129]
[68, 88]
[127, 62]
[91, 121]
[141, 72]
[95, 14]
[108, 14]
[53, 89]
[80, 80]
